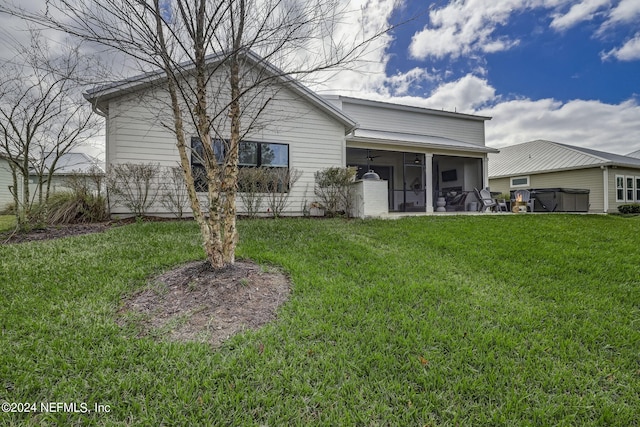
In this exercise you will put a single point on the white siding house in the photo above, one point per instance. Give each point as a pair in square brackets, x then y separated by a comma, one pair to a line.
[414, 147]
[611, 179]
[6, 182]
[68, 165]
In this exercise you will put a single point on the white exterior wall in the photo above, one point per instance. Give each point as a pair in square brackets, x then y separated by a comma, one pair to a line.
[5, 182]
[370, 198]
[316, 140]
[421, 123]
[626, 172]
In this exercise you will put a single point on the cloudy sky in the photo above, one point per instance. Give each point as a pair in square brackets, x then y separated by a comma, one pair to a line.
[562, 70]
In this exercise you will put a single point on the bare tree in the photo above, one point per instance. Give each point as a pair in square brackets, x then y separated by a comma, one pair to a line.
[42, 116]
[215, 57]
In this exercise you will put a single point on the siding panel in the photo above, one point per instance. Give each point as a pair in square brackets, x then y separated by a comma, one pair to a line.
[461, 129]
[316, 141]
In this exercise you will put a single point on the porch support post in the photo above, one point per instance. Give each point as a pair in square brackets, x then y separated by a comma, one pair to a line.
[605, 187]
[485, 171]
[428, 179]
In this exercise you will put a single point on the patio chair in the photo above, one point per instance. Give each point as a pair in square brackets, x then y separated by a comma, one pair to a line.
[486, 201]
[502, 205]
[523, 196]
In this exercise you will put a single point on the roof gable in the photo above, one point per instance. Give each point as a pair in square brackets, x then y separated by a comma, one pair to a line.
[146, 80]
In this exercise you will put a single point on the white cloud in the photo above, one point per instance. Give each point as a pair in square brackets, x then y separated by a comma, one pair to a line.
[368, 73]
[462, 27]
[464, 95]
[400, 83]
[630, 51]
[593, 124]
[626, 11]
[578, 13]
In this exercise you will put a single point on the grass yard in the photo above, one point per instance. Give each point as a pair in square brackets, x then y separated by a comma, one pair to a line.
[7, 222]
[508, 320]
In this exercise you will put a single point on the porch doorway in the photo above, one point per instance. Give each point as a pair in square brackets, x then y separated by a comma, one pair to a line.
[404, 173]
[455, 179]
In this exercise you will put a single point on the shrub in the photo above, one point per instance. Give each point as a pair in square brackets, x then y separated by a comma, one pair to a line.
[252, 186]
[133, 185]
[631, 208]
[279, 183]
[174, 191]
[333, 189]
[75, 207]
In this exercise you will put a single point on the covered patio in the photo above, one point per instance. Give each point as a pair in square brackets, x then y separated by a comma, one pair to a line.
[419, 181]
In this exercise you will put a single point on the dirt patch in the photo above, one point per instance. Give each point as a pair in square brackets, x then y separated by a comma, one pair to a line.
[54, 232]
[196, 303]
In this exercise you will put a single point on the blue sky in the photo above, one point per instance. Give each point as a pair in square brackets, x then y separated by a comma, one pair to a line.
[567, 71]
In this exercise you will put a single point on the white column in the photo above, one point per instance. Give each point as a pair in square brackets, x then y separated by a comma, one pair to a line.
[485, 171]
[428, 180]
[605, 187]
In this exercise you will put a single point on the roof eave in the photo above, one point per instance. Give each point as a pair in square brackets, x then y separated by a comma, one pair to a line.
[478, 149]
[404, 107]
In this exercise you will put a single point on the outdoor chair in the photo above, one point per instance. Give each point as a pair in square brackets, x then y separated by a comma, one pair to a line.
[502, 205]
[523, 196]
[486, 201]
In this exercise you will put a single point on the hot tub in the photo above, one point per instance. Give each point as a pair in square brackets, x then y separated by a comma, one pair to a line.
[561, 199]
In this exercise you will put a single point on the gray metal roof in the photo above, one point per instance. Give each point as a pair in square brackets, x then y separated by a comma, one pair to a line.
[635, 154]
[416, 140]
[70, 163]
[547, 156]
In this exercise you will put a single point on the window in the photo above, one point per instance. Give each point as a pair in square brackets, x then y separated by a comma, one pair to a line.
[637, 188]
[520, 181]
[250, 154]
[619, 188]
[630, 189]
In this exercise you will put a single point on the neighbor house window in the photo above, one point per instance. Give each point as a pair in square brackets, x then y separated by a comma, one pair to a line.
[520, 181]
[619, 188]
[630, 189]
[637, 188]
[250, 154]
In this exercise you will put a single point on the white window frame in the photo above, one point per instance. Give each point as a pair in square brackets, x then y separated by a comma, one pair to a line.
[526, 184]
[629, 191]
[620, 187]
[637, 181]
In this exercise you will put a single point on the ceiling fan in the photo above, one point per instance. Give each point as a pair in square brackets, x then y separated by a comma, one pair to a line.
[370, 157]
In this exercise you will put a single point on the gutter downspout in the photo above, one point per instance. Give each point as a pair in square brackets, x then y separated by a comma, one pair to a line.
[605, 187]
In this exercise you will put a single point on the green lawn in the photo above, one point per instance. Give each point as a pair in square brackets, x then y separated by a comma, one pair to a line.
[7, 222]
[474, 320]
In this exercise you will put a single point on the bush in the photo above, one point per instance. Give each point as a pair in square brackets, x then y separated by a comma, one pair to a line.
[333, 189]
[133, 185]
[252, 186]
[279, 183]
[174, 191]
[631, 208]
[76, 207]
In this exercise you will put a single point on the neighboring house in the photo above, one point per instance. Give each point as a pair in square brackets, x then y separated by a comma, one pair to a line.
[419, 152]
[6, 182]
[611, 179]
[68, 165]
[635, 154]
